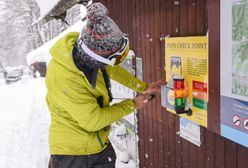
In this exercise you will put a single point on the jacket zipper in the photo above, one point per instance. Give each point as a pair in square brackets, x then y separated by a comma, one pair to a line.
[99, 139]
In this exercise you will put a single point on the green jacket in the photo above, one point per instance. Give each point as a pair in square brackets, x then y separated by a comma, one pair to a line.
[78, 125]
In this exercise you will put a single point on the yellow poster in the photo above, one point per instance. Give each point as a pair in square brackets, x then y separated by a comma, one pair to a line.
[188, 57]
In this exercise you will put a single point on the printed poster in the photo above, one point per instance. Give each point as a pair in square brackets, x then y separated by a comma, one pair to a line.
[188, 56]
[190, 131]
[234, 70]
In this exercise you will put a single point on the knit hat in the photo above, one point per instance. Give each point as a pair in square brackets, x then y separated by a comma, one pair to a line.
[101, 37]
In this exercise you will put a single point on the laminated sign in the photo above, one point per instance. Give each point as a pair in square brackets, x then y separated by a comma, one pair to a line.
[234, 70]
[186, 66]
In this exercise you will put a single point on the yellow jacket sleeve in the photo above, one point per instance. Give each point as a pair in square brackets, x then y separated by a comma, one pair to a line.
[83, 107]
[122, 76]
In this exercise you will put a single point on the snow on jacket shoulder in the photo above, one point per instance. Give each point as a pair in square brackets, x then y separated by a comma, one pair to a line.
[78, 125]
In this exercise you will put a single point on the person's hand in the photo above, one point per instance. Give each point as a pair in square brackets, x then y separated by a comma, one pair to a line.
[142, 99]
[154, 87]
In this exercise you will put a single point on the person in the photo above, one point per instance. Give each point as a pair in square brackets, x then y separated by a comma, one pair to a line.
[79, 95]
[38, 67]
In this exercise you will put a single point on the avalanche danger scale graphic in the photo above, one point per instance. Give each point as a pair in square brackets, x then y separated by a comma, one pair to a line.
[186, 62]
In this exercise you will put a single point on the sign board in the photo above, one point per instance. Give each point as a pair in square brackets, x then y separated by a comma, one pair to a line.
[190, 131]
[188, 56]
[121, 92]
[234, 70]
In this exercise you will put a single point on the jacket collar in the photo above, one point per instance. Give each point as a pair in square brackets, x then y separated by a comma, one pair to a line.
[90, 71]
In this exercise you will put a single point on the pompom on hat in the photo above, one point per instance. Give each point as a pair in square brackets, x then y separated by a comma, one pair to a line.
[101, 40]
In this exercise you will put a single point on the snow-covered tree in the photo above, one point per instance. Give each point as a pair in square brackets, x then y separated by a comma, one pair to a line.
[16, 18]
[22, 33]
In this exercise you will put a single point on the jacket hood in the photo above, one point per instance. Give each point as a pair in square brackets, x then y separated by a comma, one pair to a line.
[61, 51]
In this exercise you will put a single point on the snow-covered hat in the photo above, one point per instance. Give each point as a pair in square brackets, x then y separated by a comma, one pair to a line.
[101, 38]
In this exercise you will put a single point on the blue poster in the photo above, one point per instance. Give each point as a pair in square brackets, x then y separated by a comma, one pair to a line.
[234, 120]
[234, 71]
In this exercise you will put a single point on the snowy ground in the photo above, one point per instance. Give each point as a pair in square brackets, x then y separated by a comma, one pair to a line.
[24, 122]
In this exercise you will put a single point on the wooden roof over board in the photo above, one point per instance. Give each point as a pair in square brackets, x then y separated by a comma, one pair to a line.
[59, 11]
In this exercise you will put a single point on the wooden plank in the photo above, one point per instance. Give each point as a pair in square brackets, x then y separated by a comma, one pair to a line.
[123, 15]
[242, 156]
[138, 28]
[165, 114]
[170, 30]
[209, 140]
[219, 160]
[147, 110]
[172, 147]
[141, 143]
[148, 74]
[154, 139]
[133, 27]
[192, 153]
[141, 134]
[214, 62]
[165, 136]
[115, 10]
[184, 32]
[137, 23]
[191, 17]
[142, 123]
[201, 30]
[183, 18]
[158, 75]
[169, 18]
[178, 146]
[163, 21]
[185, 153]
[206, 16]
[200, 18]
[129, 12]
[201, 150]
[176, 18]
[231, 154]
[178, 143]
[126, 9]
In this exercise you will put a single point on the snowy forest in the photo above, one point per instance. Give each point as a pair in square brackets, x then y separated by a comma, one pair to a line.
[22, 31]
